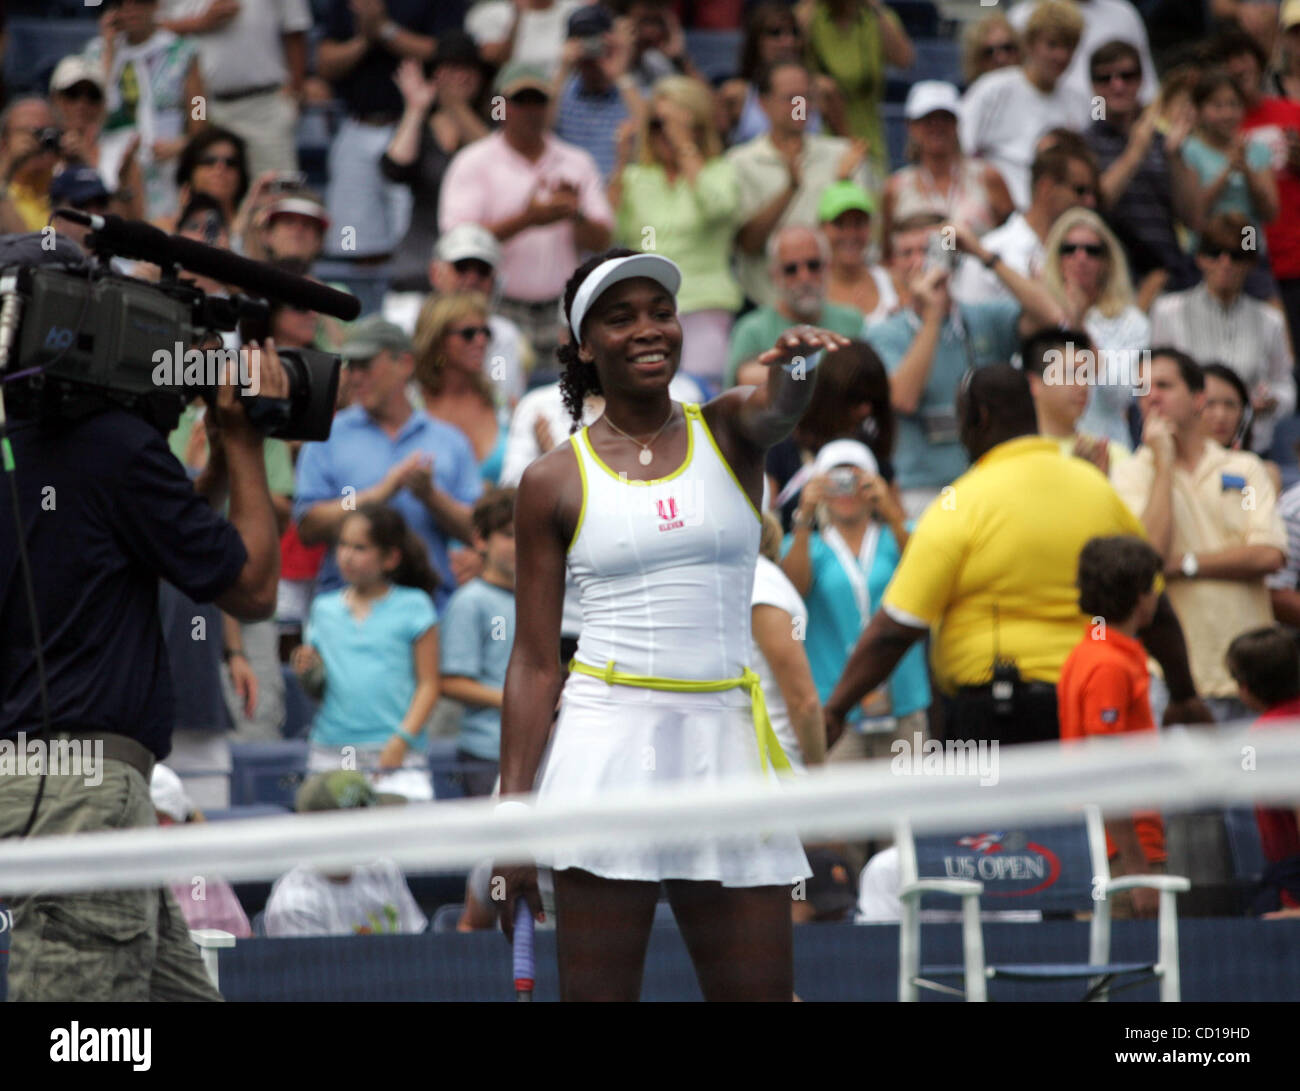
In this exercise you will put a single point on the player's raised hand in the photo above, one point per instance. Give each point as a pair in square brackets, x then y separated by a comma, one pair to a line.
[802, 341]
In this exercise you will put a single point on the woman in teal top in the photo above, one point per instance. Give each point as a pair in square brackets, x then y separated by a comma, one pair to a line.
[1234, 173]
[842, 570]
[680, 200]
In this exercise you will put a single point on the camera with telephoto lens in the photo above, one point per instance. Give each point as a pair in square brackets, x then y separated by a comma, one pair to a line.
[49, 138]
[77, 337]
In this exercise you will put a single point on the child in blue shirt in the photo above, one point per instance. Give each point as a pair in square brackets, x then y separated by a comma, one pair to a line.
[375, 641]
[478, 634]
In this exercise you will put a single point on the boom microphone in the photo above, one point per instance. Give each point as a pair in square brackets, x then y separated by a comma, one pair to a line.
[144, 242]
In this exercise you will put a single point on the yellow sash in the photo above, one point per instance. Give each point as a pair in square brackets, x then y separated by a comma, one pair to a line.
[769, 746]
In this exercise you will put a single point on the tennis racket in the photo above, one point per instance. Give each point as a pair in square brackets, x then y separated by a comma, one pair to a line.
[523, 953]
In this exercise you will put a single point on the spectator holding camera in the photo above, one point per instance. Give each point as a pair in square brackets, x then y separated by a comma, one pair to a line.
[849, 533]
[929, 344]
[155, 89]
[29, 152]
[77, 97]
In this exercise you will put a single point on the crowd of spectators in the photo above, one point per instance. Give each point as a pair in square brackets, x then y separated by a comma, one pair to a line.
[1084, 170]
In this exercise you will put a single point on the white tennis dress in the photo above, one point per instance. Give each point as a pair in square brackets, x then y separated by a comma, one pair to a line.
[665, 570]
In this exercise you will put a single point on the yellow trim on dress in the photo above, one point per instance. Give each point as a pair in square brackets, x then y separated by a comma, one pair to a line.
[723, 459]
[690, 453]
[769, 746]
[582, 511]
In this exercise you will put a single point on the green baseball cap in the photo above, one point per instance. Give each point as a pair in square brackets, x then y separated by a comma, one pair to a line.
[841, 197]
[517, 76]
[341, 790]
[370, 336]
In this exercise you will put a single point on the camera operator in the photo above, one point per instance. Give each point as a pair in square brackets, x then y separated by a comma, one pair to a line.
[29, 151]
[106, 511]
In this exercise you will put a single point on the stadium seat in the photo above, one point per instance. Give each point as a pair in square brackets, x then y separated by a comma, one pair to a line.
[895, 133]
[920, 18]
[446, 918]
[716, 53]
[936, 59]
[1248, 861]
[1055, 869]
[367, 282]
[298, 707]
[249, 810]
[34, 46]
[448, 771]
[267, 772]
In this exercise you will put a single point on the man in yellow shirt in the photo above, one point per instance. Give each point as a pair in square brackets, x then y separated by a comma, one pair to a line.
[28, 166]
[990, 572]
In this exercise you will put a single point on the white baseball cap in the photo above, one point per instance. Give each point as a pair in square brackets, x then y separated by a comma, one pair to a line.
[608, 273]
[75, 69]
[168, 794]
[846, 452]
[929, 97]
[465, 241]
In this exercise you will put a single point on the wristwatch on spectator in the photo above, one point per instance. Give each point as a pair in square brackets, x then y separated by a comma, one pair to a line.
[227, 654]
[1189, 566]
[388, 31]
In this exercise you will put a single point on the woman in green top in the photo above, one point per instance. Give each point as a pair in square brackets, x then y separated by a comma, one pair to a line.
[852, 41]
[680, 200]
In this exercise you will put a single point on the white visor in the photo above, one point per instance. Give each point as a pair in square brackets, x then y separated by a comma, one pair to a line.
[608, 273]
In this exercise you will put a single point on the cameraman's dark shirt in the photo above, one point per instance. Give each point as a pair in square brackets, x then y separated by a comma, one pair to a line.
[107, 511]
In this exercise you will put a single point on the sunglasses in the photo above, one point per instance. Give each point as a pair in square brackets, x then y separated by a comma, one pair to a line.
[472, 265]
[1092, 249]
[468, 333]
[1214, 253]
[87, 91]
[790, 268]
[781, 32]
[1127, 75]
[1009, 49]
[222, 160]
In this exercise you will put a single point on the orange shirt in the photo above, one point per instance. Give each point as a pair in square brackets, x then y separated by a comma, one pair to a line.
[1103, 690]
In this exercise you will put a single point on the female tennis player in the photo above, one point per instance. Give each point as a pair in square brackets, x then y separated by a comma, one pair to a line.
[654, 508]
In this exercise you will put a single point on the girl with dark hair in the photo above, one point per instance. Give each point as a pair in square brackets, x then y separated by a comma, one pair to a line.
[215, 163]
[654, 509]
[373, 647]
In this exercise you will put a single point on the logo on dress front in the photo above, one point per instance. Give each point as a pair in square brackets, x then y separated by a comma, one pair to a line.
[669, 515]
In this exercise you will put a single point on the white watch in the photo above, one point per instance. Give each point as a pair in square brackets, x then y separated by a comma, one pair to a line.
[1189, 566]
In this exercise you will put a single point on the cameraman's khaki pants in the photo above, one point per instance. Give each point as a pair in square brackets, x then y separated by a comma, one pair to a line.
[115, 945]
